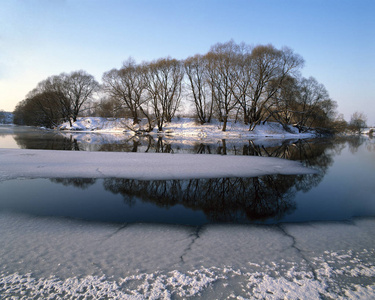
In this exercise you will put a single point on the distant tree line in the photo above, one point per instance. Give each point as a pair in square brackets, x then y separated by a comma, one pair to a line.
[6, 117]
[249, 84]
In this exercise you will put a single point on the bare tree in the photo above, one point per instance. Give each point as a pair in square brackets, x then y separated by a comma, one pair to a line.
[109, 107]
[39, 109]
[339, 124]
[54, 85]
[164, 86]
[243, 84]
[270, 68]
[48, 103]
[222, 78]
[312, 95]
[78, 87]
[284, 102]
[70, 91]
[358, 122]
[248, 78]
[195, 69]
[126, 85]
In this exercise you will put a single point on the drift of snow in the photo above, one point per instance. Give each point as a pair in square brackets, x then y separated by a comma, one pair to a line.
[20, 163]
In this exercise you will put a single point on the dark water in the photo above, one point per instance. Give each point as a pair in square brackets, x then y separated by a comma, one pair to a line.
[344, 187]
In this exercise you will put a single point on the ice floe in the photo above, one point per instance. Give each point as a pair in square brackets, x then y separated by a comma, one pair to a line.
[20, 163]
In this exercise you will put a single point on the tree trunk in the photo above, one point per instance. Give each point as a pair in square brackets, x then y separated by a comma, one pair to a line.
[225, 120]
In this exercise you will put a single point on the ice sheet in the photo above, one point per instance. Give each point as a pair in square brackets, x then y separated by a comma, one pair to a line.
[47, 257]
[20, 163]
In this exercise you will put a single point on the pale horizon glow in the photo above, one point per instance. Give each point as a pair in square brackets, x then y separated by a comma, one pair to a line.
[43, 38]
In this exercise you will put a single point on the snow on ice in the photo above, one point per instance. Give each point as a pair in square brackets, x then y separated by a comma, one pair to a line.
[53, 258]
[56, 258]
[20, 163]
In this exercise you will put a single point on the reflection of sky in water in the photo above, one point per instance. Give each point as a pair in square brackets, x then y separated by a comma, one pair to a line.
[93, 203]
[344, 192]
[7, 141]
[347, 189]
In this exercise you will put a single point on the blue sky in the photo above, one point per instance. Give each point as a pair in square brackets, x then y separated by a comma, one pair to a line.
[39, 38]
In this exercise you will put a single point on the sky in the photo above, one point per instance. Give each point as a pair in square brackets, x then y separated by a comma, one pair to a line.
[40, 38]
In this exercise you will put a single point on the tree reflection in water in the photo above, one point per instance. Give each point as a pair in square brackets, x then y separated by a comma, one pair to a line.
[82, 183]
[221, 200]
[46, 140]
[303, 150]
[228, 199]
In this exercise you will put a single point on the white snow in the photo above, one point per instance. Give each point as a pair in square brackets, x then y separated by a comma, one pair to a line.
[53, 258]
[97, 124]
[21, 163]
[56, 258]
[185, 127]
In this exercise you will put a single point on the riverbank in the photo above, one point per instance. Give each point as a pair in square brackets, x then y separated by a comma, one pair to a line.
[187, 128]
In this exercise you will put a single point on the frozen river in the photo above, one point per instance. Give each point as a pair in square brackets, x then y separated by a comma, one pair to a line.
[273, 236]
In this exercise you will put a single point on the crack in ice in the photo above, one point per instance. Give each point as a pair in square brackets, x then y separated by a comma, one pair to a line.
[299, 251]
[195, 235]
[116, 231]
[100, 172]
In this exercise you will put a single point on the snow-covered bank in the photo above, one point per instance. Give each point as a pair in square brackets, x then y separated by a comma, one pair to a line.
[19, 163]
[57, 258]
[186, 127]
